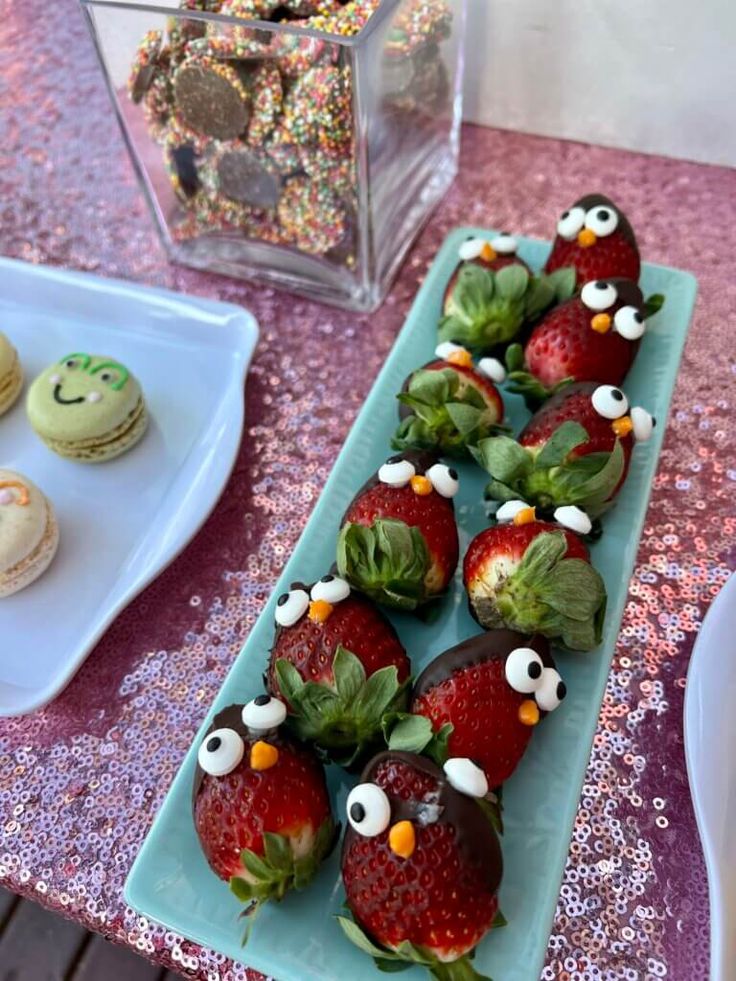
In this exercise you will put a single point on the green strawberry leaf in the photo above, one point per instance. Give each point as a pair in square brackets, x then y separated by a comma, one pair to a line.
[349, 674]
[512, 282]
[503, 458]
[290, 681]
[514, 357]
[388, 562]
[563, 282]
[410, 734]
[433, 387]
[539, 296]
[499, 921]
[652, 305]
[563, 440]
[466, 418]
[357, 936]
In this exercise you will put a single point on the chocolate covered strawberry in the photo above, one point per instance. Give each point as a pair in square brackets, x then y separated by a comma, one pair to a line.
[576, 450]
[421, 864]
[484, 307]
[339, 664]
[450, 404]
[592, 337]
[491, 252]
[482, 699]
[536, 577]
[595, 238]
[398, 542]
[260, 803]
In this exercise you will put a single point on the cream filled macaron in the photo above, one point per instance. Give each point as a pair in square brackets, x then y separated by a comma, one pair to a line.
[29, 534]
[11, 374]
[87, 407]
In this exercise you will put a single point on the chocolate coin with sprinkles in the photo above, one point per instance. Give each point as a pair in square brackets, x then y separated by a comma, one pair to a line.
[311, 216]
[211, 98]
[243, 174]
[145, 65]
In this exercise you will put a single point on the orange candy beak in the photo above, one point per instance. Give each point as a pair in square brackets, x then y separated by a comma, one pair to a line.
[421, 485]
[586, 238]
[263, 756]
[488, 252]
[528, 712]
[319, 610]
[461, 357]
[525, 516]
[601, 323]
[402, 839]
[622, 426]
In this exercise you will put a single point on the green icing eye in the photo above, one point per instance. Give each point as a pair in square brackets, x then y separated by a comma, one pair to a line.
[76, 361]
[112, 373]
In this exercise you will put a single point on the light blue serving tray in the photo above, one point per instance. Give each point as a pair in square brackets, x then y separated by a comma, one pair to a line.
[299, 940]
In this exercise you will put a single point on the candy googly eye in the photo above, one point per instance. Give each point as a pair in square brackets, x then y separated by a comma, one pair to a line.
[609, 402]
[369, 809]
[470, 249]
[629, 323]
[263, 713]
[330, 588]
[598, 295]
[444, 479]
[493, 369]
[220, 752]
[643, 424]
[291, 607]
[504, 244]
[602, 220]
[573, 518]
[551, 691]
[523, 670]
[396, 472]
[570, 223]
[466, 777]
[509, 510]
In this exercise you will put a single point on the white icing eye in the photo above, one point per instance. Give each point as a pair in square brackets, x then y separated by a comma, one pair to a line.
[551, 691]
[570, 223]
[471, 248]
[609, 402]
[493, 369]
[220, 752]
[602, 220]
[598, 295]
[523, 669]
[369, 809]
[396, 472]
[573, 518]
[629, 323]
[509, 510]
[504, 244]
[330, 588]
[643, 424]
[444, 479]
[291, 607]
[94, 397]
[466, 777]
[263, 713]
[447, 348]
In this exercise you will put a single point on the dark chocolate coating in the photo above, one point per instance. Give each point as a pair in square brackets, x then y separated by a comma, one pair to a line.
[589, 201]
[243, 177]
[422, 460]
[208, 102]
[477, 650]
[476, 838]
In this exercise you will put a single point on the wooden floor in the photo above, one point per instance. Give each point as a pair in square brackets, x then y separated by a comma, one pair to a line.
[36, 945]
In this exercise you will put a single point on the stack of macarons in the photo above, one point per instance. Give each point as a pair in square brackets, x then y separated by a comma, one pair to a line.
[88, 408]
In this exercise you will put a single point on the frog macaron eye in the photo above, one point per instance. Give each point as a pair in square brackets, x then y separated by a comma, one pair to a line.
[551, 690]
[444, 479]
[609, 402]
[602, 220]
[629, 323]
[598, 295]
[331, 589]
[570, 223]
[220, 752]
[111, 373]
[263, 712]
[369, 809]
[291, 607]
[75, 362]
[523, 670]
[396, 471]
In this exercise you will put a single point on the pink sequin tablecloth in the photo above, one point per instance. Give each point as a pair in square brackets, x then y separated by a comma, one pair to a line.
[81, 780]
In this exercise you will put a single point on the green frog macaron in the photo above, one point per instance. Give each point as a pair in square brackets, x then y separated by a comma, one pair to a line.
[87, 407]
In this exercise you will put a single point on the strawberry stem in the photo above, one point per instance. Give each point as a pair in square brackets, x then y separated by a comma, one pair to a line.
[459, 970]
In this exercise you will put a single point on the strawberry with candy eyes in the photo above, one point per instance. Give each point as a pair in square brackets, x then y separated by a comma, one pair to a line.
[398, 542]
[595, 238]
[536, 577]
[421, 864]
[575, 450]
[260, 803]
[450, 404]
[492, 294]
[339, 665]
[592, 337]
[481, 700]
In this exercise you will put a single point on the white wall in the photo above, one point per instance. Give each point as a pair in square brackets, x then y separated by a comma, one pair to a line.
[652, 75]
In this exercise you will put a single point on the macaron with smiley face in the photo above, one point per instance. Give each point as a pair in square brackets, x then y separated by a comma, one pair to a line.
[29, 534]
[87, 407]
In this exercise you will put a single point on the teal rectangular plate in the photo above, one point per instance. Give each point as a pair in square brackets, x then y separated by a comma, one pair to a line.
[299, 940]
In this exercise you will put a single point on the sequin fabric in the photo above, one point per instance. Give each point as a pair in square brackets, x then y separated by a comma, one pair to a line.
[81, 780]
